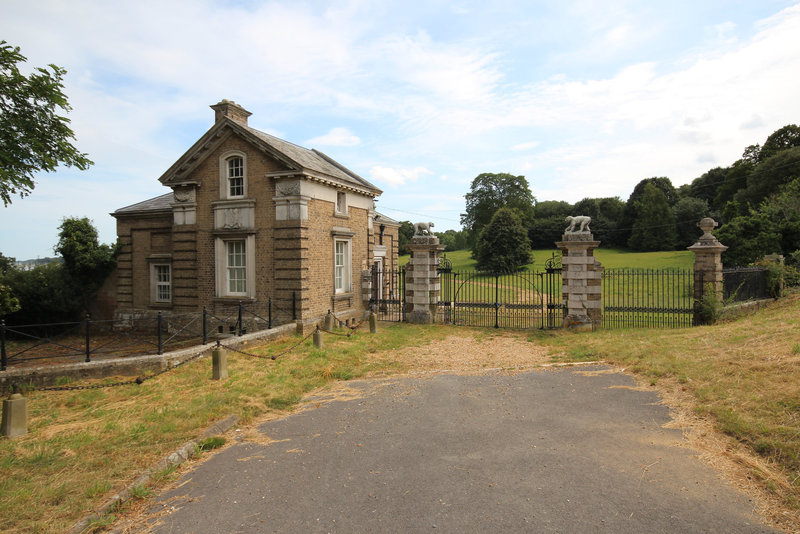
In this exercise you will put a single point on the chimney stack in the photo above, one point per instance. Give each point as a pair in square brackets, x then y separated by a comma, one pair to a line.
[230, 109]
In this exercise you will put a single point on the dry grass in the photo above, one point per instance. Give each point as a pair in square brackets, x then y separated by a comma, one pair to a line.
[734, 389]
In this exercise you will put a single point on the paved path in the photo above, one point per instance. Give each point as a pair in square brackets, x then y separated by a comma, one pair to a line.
[571, 450]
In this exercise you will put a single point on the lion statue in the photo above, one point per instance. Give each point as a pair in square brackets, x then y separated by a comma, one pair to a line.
[423, 228]
[582, 220]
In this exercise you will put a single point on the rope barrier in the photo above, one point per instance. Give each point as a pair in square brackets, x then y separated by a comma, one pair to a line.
[138, 380]
[141, 379]
[274, 356]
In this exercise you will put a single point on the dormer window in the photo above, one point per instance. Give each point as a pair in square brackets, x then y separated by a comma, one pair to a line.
[235, 177]
[232, 175]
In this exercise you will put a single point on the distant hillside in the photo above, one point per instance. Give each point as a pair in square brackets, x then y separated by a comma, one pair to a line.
[27, 265]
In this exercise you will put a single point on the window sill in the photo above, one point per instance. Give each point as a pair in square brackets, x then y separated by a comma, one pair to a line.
[343, 296]
[235, 299]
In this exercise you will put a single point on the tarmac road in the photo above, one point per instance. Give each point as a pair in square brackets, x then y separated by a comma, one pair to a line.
[568, 450]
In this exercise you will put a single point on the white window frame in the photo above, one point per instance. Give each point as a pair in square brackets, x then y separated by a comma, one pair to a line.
[342, 265]
[156, 283]
[225, 174]
[222, 248]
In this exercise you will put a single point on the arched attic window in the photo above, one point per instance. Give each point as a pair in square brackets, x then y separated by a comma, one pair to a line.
[233, 175]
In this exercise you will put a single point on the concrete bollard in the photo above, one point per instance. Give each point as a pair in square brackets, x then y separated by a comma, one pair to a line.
[373, 323]
[330, 322]
[219, 364]
[318, 338]
[15, 416]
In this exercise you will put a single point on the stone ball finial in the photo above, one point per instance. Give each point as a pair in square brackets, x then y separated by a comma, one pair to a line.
[707, 224]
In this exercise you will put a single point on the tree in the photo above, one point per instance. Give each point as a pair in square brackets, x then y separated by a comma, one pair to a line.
[33, 136]
[781, 139]
[631, 213]
[488, 193]
[688, 212]
[749, 238]
[769, 176]
[606, 214]
[503, 244]
[405, 233]
[8, 302]
[654, 228]
[87, 263]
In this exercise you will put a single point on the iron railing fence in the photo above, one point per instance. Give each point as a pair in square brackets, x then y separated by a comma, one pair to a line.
[521, 300]
[648, 298]
[744, 283]
[136, 333]
[388, 300]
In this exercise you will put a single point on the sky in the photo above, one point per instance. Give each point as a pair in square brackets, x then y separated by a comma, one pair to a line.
[583, 98]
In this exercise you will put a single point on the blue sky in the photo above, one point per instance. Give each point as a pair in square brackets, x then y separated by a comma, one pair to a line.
[583, 98]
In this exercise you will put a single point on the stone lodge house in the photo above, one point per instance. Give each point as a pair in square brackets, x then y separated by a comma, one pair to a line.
[252, 217]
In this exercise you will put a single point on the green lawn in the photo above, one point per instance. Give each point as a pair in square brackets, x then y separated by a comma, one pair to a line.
[461, 260]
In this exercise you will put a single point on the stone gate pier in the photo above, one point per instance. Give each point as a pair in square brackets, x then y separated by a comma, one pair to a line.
[422, 280]
[581, 279]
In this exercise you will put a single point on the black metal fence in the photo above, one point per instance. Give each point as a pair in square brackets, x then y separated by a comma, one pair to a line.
[521, 300]
[135, 333]
[388, 300]
[744, 283]
[648, 298]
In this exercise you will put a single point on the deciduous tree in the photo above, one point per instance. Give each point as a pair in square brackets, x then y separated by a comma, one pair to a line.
[489, 192]
[34, 136]
[503, 243]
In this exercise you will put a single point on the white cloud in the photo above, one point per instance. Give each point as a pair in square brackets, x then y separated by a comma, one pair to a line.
[525, 146]
[335, 137]
[395, 177]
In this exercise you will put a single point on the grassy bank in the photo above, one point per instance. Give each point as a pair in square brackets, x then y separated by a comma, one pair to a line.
[85, 445]
[743, 375]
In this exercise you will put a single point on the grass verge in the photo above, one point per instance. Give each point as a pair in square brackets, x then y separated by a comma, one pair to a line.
[742, 374]
[84, 445]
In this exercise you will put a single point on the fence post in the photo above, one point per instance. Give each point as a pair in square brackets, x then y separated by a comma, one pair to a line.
[269, 313]
[205, 325]
[3, 358]
[160, 341]
[219, 363]
[496, 300]
[15, 416]
[239, 322]
[88, 339]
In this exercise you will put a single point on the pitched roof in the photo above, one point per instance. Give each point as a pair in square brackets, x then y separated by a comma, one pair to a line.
[159, 203]
[297, 159]
[380, 218]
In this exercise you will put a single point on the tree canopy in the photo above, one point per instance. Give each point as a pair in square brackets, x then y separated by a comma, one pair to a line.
[489, 192]
[503, 244]
[34, 137]
[654, 227]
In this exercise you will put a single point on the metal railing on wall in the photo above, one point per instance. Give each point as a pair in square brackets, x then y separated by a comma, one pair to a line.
[138, 334]
[744, 283]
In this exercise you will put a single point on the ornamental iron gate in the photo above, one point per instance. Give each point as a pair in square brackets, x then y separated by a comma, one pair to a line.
[648, 298]
[388, 300]
[521, 300]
